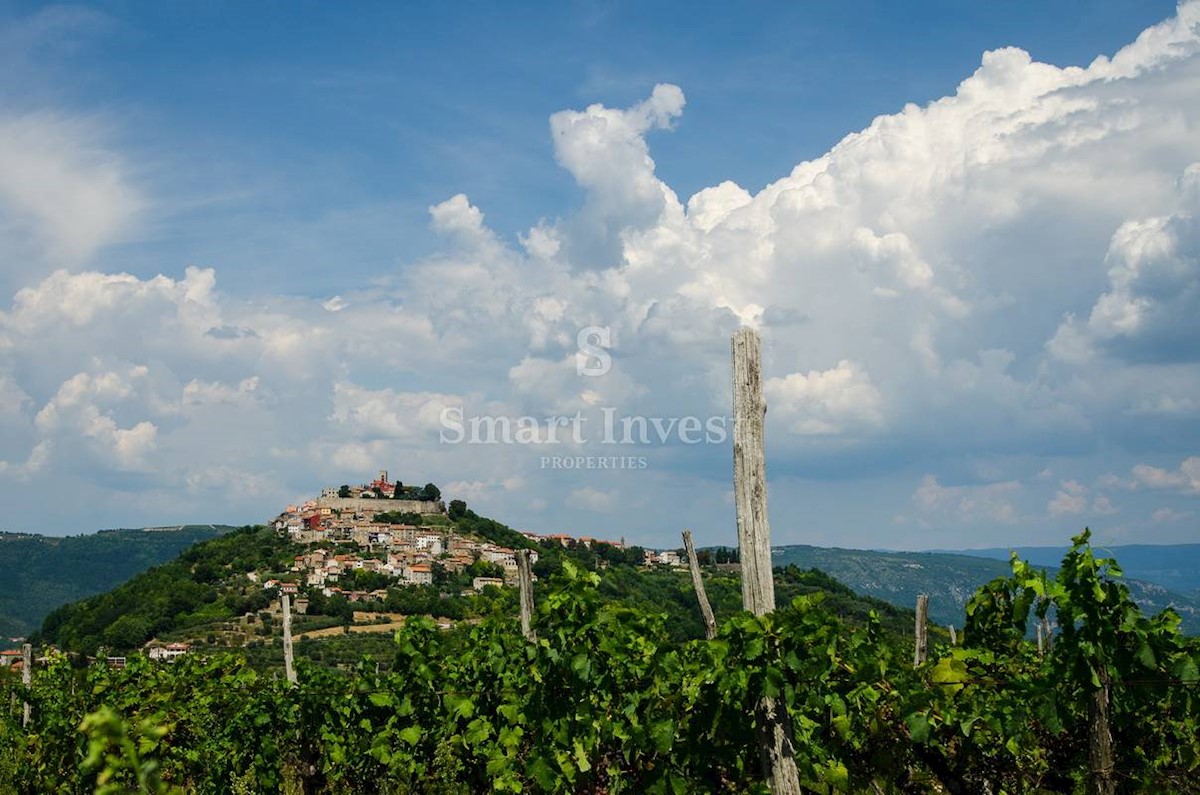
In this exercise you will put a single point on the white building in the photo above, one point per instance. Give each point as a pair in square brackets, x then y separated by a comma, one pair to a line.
[168, 652]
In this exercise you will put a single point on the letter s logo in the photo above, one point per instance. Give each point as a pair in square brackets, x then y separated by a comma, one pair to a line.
[592, 360]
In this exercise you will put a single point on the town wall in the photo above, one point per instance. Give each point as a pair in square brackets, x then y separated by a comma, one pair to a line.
[372, 505]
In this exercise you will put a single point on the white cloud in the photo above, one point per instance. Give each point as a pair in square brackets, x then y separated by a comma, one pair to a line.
[64, 193]
[1074, 498]
[991, 502]
[1170, 516]
[82, 411]
[589, 498]
[1102, 505]
[1071, 498]
[388, 414]
[1009, 271]
[1151, 309]
[1185, 479]
[826, 402]
[198, 393]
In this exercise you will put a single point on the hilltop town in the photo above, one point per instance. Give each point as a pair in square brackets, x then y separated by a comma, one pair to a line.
[356, 560]
[403, 532]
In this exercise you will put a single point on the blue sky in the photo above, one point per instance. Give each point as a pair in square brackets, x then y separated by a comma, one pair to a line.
[976, 307]
[261, 118]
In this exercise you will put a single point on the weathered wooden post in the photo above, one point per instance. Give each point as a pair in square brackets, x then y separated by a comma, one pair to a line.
[754, 545]
[525, 583]
[1041, 641]
[710, 622]
[1100, 740]
[750, 474]
[27, 681]
[289, 669]
[953, 636]
[920, 631]
[1047, 634]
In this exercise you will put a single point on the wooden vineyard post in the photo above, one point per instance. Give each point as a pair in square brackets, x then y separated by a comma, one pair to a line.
[289, 669]
[1041, 641]
[710, 622]
[27, 681]
[750, 474]
[1100, 740]
[1046, 633]
[525, 582]
[953, 636]
[921, 630]
[754, 544]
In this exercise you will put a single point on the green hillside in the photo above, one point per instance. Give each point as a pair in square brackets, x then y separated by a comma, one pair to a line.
[949, 579]
[41, 573]
[206, 597]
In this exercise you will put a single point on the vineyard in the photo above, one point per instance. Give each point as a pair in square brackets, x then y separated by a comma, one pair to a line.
[604, 700]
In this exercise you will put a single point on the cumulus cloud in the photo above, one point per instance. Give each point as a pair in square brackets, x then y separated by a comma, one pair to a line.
[826, 402]
[991, 502]
[589, 498]
[1170, 516]
[64, 193]
[1151, 309]
[1074, 498]
[387, 414]
[1007, 274]
[1185, 478]
[82, 412]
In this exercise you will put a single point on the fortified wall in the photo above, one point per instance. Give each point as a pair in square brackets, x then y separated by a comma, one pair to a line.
[373, 505]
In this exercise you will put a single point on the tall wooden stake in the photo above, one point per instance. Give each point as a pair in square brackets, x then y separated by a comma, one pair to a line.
[1041, 641]
[710, 622]
[27, 681]
[754, 545]
[920, 631]
[750, 474]
[289, 669]
[1047, 634]
[525, 583]
[1100, 740]
[953, 636]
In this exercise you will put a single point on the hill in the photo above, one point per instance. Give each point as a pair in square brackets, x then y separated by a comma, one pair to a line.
[213, 596]
[950, 579]
[1175, 567]
[41, 573]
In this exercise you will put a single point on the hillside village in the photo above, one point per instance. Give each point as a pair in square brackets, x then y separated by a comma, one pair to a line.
[401, 532]
[354, 560]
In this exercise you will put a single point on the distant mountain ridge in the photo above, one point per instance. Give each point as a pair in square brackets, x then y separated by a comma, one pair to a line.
[951, 578]
[1175, 567]
[41, 572]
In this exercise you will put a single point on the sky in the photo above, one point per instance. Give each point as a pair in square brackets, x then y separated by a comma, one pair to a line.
[248, 251]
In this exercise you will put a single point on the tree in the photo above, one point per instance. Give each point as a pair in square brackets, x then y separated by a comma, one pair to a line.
[398, 491]
[430, 493]
[344, 492]
[457, 510]
[127, 632]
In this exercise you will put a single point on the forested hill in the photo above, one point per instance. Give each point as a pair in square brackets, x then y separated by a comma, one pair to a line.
[1175, 567]
[951, 579]
[205, 595]
[42, 572]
